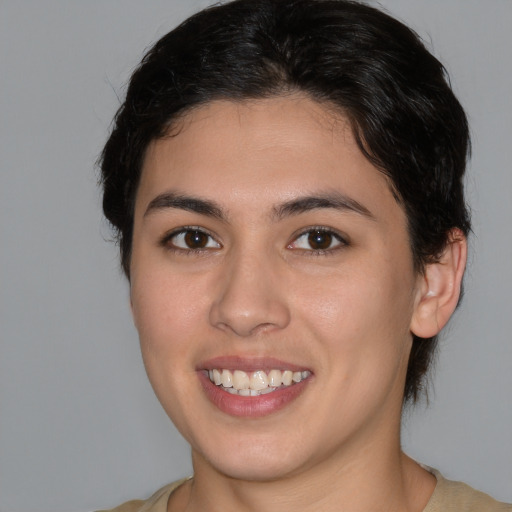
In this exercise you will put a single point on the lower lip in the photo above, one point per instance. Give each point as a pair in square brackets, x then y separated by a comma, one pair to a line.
[251, 406]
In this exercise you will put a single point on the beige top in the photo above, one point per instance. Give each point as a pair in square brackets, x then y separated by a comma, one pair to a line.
[448, 496]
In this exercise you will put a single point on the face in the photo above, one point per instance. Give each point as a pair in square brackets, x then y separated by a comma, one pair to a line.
[273, 288]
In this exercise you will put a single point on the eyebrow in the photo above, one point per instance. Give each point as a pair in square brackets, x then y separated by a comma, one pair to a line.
[334, 200]
[188, 203]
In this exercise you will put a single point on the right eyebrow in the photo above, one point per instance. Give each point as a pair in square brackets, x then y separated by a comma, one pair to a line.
[333, 200]
[183, 202]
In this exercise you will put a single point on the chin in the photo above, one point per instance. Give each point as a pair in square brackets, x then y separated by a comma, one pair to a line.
[252, 461]
[256, 471]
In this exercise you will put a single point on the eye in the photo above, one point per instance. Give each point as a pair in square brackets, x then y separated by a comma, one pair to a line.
[318, 240]
[191, 239]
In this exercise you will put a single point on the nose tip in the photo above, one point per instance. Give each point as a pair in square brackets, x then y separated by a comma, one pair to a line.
[249, 303]
[245, 326]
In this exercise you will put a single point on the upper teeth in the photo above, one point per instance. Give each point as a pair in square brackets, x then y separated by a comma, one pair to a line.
[255, 383]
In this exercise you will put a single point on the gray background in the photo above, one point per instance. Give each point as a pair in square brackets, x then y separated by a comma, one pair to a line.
[79, 426]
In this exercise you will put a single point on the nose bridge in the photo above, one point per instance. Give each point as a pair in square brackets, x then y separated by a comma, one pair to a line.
[249, 298]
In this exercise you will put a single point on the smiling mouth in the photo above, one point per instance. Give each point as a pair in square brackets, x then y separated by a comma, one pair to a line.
[256, 383]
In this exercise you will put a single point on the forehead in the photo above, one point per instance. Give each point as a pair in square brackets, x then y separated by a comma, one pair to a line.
[279, 121]
[276, 147]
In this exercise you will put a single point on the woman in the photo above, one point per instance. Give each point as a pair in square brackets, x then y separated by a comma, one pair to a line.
[286, 181]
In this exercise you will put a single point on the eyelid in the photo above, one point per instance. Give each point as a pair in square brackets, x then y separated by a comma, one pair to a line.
[165, 240]
[340, 237]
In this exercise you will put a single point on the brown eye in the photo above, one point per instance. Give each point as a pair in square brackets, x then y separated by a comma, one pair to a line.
[320, 240]
[192, 240]
[196, 239]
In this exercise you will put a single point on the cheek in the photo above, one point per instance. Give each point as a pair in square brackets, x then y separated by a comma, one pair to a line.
[166, 310]
[361, 314]
[166, 313]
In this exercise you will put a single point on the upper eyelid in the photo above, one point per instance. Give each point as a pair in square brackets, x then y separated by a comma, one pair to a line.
[325, 229]
[297, 234]
[183, 229]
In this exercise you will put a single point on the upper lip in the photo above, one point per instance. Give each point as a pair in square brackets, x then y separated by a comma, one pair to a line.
[249, 364]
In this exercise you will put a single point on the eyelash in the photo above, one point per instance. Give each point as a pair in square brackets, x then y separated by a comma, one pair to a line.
[336, 237]
[341, 240]
[183, 231]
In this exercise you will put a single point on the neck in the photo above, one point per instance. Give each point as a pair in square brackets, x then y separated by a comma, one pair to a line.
[394, 482]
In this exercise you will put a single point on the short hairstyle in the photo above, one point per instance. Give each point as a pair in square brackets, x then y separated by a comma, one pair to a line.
[350, 57]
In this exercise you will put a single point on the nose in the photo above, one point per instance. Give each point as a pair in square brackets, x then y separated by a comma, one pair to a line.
[250, 298]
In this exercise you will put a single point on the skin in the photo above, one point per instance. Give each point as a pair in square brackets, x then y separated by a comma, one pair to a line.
[259, 289]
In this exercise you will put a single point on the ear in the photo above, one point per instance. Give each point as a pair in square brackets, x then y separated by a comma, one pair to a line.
[439, 288]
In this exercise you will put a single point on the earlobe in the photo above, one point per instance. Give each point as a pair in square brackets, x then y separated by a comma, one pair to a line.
[439, 288]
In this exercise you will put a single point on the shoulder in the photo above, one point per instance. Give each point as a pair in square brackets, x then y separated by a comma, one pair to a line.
[451, 496]
[156, 503]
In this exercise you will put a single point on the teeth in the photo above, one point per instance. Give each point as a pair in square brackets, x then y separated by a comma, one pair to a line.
[274, 378]
[241, 380]
[259, 380]
[256, 383]
[216, 377]
[287, 377]
[226, 379]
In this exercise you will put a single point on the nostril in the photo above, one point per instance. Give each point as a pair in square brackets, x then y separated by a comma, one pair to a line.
[259, 329]
[249, 319]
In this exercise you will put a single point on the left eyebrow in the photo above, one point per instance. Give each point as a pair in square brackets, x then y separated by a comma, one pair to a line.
[334, 200]
[184, 202]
